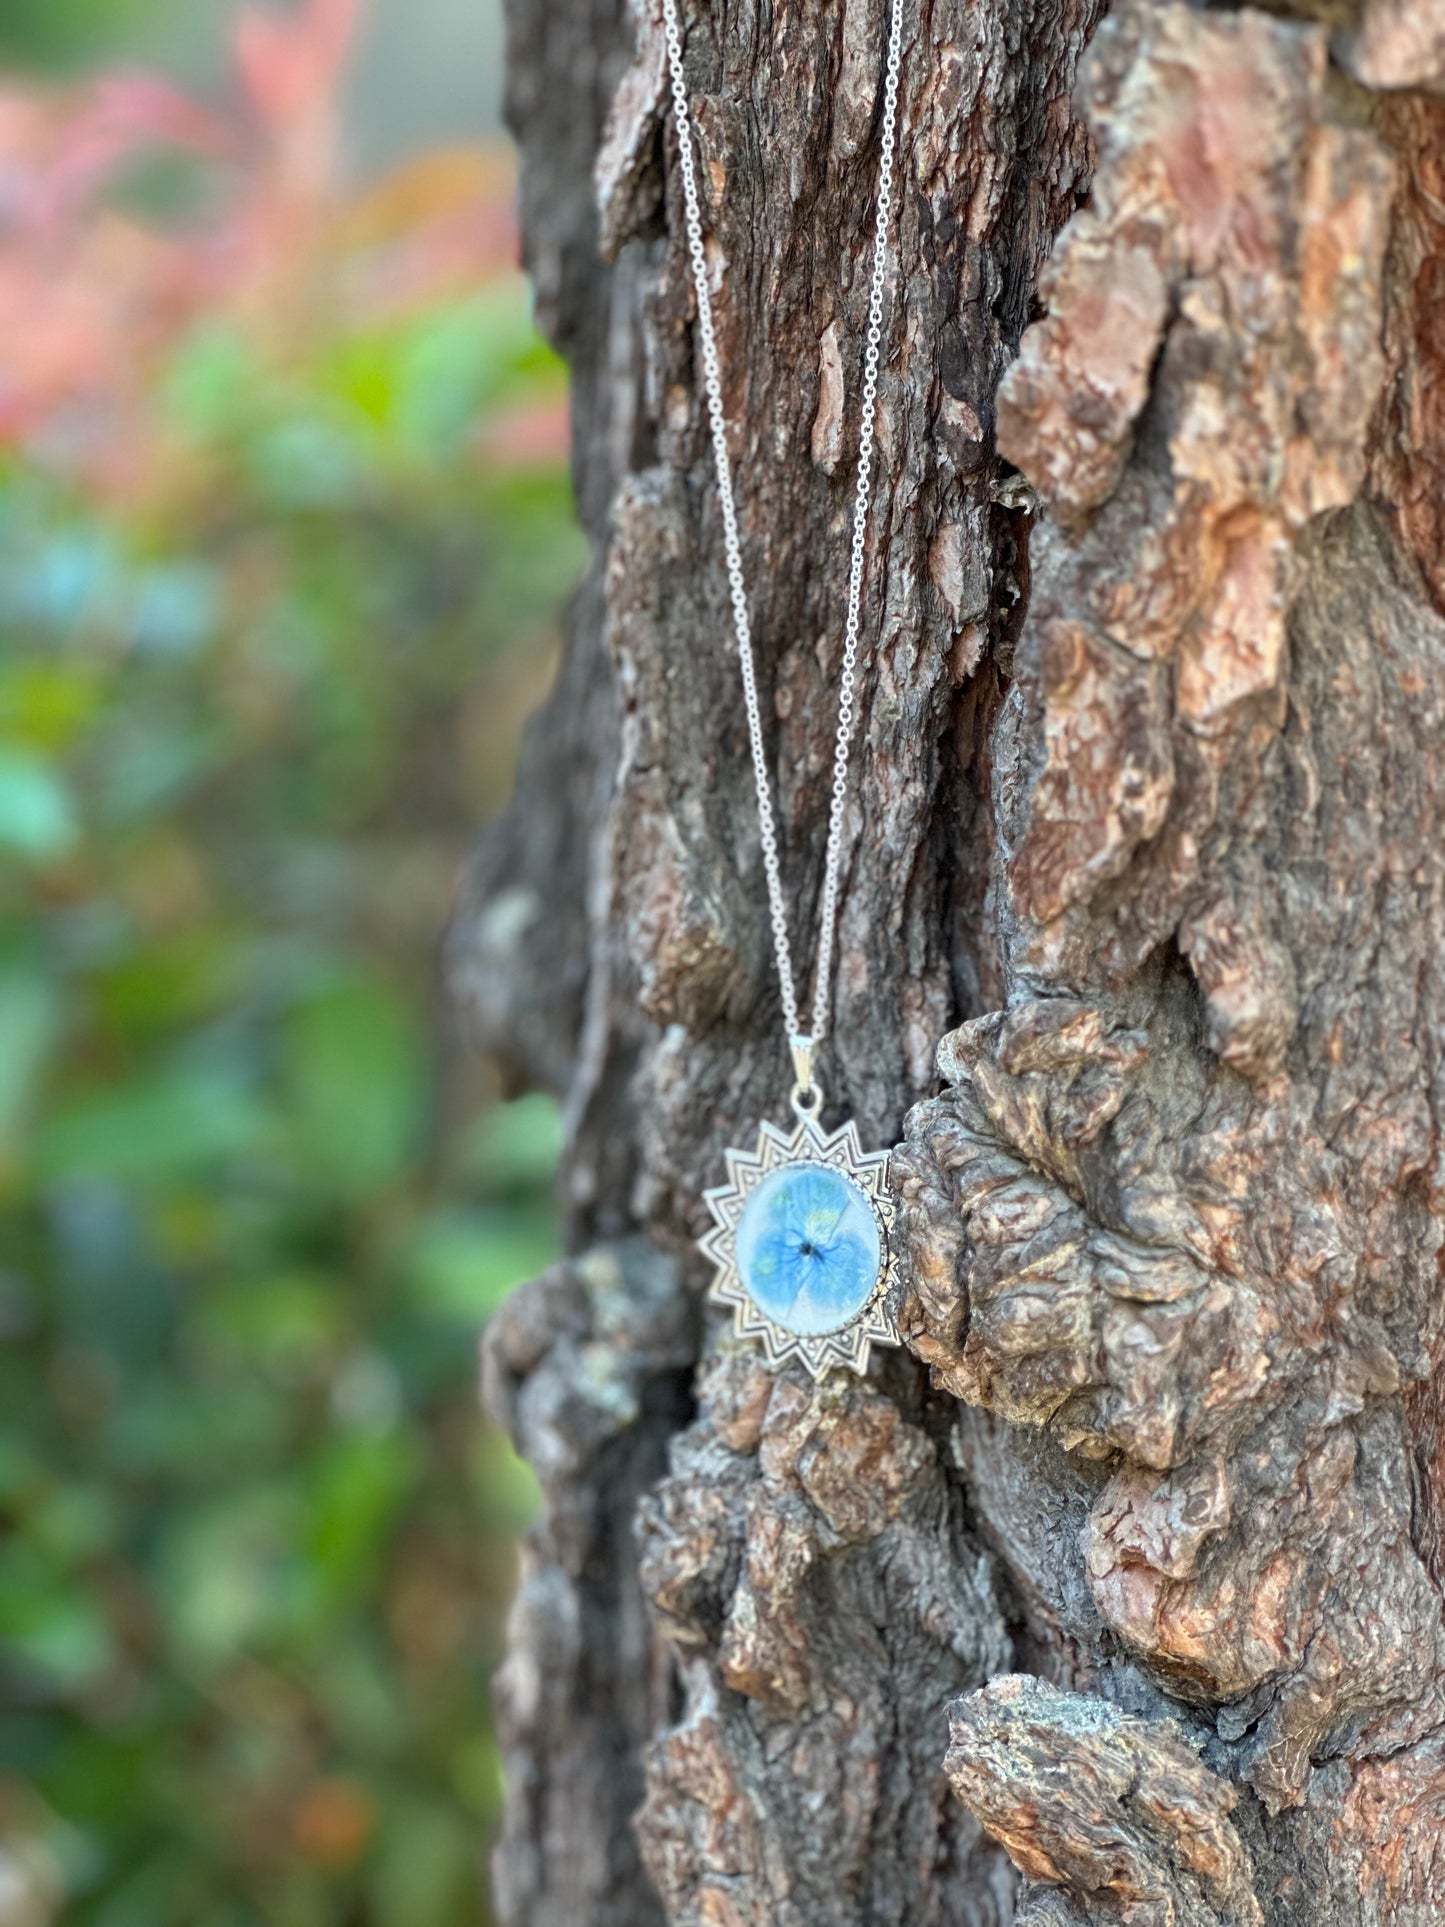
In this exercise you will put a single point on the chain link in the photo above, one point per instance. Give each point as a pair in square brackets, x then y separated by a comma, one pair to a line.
[732, 547]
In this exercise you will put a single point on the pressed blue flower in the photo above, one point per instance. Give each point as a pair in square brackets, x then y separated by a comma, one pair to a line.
[809, 1249]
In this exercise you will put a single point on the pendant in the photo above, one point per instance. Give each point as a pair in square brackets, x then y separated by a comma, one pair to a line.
[802, 1239]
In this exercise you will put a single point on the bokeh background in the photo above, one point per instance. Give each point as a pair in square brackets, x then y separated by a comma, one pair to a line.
[284, 528]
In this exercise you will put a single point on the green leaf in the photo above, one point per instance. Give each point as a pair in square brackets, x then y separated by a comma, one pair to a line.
[62, 31]
[463, 1264]
[175, 1124]
[37, 817]
[309, 462]
[45, 705]
[48, 1624]
[73, 1522]
[285, 1325]
[29, 1030]
[515, 1147]
[212, 384]
[159, 987]
[508, 1483]
[230, 1574]
[357, 1080]
[356, 1491]
[477, 1776]
[426, 1866]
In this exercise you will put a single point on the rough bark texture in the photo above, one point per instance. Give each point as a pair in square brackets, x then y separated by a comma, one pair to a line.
[1142, 960]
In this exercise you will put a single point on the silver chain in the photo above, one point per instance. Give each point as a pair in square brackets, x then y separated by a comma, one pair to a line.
[803, 1044]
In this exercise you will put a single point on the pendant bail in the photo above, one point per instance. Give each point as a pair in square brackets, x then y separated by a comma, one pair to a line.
[802, 1049]
[807, 1098]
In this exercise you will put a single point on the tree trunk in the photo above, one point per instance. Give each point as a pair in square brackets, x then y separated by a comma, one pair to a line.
[1115, 1595]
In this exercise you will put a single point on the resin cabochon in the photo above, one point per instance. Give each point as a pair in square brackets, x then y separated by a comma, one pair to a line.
[802, 1241]
[809, 1249]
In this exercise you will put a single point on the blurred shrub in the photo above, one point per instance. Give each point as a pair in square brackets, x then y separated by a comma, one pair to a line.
[47, 32]
[283, 518]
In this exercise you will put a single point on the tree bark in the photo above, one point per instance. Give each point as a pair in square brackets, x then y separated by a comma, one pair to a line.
[1115, 1595]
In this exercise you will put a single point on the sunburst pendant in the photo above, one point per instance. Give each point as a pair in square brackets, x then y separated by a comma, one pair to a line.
[802, 1239]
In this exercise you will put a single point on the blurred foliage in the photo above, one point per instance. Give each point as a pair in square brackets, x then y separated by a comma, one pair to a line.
[50, 32]
[283, 521]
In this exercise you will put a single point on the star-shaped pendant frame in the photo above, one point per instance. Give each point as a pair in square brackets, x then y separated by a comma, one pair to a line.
[806, 1143]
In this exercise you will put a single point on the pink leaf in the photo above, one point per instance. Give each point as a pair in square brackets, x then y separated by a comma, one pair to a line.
[290, 63]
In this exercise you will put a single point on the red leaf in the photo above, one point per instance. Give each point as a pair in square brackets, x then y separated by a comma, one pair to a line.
[290, 64]
[55, 158]
[123, 115]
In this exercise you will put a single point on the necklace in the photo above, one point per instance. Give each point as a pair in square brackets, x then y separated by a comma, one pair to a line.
[802, 1230]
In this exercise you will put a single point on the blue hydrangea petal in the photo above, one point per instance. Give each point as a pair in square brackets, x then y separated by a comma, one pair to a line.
[809, 1249]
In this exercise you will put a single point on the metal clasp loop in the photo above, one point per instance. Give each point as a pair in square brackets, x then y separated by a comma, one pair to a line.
[807, 1097]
